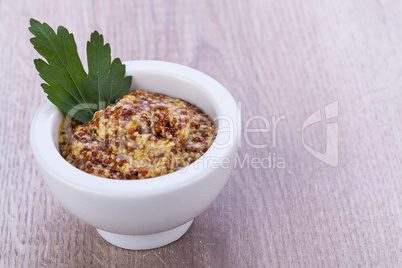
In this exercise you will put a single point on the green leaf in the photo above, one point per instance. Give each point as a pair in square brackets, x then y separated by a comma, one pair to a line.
[68, 86]
[109, 78]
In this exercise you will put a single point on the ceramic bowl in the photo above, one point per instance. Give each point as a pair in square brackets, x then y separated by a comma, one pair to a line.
[149, 213]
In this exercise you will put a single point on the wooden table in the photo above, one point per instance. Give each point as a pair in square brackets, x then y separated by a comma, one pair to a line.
[284, 205]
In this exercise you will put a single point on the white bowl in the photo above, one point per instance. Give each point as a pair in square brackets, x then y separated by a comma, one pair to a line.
[144, 214]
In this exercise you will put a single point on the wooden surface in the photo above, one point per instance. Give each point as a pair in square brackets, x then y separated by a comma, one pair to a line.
[278, 58]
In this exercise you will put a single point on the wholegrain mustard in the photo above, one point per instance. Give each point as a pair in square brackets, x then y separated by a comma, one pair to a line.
[143, 135]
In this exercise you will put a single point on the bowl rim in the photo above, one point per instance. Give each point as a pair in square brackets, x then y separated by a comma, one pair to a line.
[55, 166]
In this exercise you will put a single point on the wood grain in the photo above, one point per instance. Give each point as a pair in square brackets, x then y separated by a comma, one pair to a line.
[278, 58]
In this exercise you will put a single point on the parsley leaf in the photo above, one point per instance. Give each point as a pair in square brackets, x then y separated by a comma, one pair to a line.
[67, 85]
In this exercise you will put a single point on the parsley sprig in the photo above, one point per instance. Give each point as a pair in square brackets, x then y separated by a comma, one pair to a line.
[68, 86]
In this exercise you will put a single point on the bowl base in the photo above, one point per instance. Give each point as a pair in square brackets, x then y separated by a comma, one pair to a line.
[143, 242]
